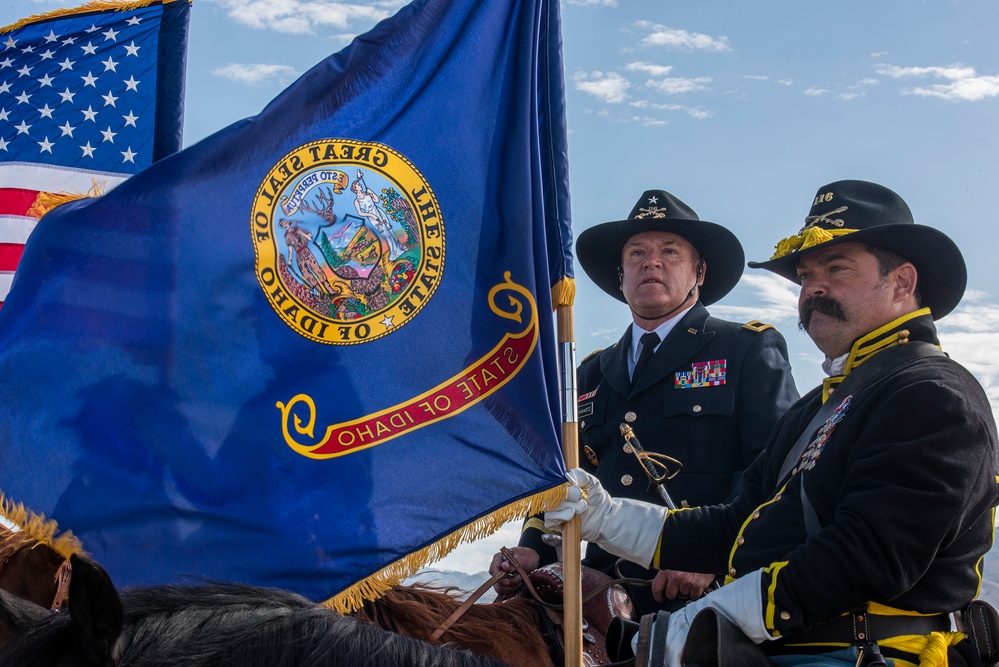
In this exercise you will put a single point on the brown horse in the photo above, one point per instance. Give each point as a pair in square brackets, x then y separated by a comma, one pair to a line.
[508, 630]
[32, 571]
[517, 631]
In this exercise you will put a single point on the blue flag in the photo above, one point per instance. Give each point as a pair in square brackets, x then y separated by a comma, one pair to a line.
[88, 97]
[316, 349]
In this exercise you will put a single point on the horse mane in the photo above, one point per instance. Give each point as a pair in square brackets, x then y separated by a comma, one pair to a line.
[508, 629]
[232, 625]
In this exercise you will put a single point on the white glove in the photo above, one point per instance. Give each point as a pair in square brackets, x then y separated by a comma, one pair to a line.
[740, 602]
[626, 528]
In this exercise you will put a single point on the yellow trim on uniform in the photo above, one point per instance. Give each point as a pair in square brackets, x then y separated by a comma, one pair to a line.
[870, 344]
[867, 345]
[537, 524]
[758, 326]
[742, 528]
[657, 556]
[770, 606]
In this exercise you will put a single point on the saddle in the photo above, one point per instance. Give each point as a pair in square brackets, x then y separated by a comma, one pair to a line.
[602, 602]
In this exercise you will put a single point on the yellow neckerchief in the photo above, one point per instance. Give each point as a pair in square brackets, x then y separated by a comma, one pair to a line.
[870, 344]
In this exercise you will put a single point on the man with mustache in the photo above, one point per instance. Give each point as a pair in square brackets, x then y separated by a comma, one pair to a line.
[696, 400]
[863, 524]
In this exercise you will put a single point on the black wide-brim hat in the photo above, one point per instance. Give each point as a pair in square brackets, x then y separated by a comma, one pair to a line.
[863, 212]
[599, 247]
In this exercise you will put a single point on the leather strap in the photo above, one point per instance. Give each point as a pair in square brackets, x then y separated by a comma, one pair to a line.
[849, 628]
[469, 601]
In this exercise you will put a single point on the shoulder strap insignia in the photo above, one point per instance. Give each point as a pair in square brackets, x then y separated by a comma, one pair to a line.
[758, 326]
[591, 355]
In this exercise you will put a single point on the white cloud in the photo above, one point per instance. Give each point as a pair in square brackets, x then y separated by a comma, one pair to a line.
[776, 300]
[848, 96]
[255, 74]
[785, 82]
[970, 335]
[681, 40]
[590, 3]
[649, 68]
[952, 72]
[609, 87]
[303, 16]
[816, 92]
[699, 113]
[964, 83]
[679, 85]
[756, 77]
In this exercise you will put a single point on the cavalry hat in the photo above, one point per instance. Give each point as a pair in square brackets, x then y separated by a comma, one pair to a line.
[599, 247]
[862, 212]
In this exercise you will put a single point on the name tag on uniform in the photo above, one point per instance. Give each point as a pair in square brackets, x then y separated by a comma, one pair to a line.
[701, 374]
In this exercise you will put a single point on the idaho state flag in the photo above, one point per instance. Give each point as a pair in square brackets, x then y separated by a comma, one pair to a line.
[316, 349]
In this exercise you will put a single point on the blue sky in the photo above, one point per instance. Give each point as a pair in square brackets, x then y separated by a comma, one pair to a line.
[743, 110]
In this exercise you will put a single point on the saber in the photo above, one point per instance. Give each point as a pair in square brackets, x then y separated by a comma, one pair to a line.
[649, 463]
[652, 464]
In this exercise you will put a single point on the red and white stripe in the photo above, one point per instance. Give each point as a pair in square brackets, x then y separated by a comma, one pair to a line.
[20, 184]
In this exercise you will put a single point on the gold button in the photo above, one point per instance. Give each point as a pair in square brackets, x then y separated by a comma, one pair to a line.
[627, 448]
[696, 408]
[756, 514]
[627, 480]
[582, 424]
[630, 416]
[794, 471]
[777, 497]
[741, 540]
[732, 573]
[784, 616]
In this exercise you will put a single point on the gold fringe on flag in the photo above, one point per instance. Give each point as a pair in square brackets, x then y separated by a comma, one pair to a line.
[92, 6]
[40, 529]
[46, 201]
[379, 583]
[563, 293]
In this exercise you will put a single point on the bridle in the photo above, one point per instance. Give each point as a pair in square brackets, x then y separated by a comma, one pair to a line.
[508, 555]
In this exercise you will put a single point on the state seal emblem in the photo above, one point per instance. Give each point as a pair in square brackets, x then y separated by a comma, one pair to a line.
[349, 240]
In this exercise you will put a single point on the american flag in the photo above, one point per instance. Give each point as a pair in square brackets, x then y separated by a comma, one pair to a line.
[88, 97]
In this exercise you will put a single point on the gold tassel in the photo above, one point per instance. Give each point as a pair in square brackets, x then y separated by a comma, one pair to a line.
[92, 6]
[805, 239]
[40, 529]
[379, 583]
[563, 293]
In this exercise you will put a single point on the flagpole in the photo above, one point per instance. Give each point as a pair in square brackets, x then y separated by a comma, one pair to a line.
[573, 610]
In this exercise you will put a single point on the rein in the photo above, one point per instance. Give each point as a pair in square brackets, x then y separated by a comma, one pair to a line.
[63, 576]
[508, 555]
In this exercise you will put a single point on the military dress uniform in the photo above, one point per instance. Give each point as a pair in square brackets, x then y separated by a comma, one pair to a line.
[889, 508]
[698, 401]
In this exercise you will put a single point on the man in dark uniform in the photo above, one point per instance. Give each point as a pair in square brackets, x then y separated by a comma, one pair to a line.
[698, 398]
[865, 521]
